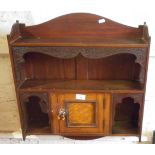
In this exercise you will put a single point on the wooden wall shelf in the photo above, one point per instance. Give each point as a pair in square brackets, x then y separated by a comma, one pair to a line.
[80, 75]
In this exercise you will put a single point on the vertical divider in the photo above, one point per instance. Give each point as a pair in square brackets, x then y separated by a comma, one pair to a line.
[54, 111]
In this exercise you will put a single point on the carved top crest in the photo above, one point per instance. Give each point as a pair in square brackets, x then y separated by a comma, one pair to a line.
[78, 29]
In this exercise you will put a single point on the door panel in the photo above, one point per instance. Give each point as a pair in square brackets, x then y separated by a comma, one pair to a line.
[81, 114]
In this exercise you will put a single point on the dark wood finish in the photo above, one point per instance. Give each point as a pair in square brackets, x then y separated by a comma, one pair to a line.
[79, 54]
[77, 30]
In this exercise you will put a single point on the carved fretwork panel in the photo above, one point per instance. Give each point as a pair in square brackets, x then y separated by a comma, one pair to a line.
[71, 52]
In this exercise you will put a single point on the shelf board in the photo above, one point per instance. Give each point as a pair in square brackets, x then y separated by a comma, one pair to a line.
[84, 41]
[81, 85]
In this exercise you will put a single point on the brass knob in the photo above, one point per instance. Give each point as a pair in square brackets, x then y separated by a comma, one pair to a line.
[61, 114]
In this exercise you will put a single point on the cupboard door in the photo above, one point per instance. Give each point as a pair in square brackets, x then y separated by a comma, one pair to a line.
[81, 113]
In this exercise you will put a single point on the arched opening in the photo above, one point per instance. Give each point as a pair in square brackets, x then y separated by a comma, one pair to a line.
[126, 116]
[37, 118]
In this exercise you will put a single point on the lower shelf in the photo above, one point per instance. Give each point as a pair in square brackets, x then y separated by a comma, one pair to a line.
[39, 131]
[124, 128]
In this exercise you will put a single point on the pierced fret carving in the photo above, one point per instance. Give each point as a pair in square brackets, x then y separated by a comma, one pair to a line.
[71, 52]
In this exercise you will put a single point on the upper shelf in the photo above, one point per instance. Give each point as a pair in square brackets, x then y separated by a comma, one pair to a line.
[79, 29]
[68, 41]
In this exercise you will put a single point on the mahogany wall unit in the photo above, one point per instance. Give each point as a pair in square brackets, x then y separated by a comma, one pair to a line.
[80, 75]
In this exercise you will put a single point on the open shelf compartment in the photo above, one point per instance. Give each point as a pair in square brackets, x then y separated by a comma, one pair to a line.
[36, 114]
[116, 72]
[126, 113]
